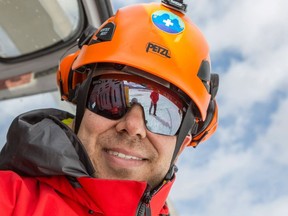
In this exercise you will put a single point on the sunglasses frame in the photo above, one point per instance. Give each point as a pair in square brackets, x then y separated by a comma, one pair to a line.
[164, 91]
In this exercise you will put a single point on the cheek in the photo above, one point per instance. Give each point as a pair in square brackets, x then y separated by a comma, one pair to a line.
[90, 129]
[89, 122]
[94, 124]
[164, 145]
[169, 147]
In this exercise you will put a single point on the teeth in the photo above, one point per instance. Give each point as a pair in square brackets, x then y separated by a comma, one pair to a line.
[123, 156]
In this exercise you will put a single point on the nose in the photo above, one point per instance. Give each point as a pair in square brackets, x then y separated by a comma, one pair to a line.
[133, 122]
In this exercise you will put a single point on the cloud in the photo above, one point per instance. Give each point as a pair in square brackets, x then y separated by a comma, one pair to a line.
[256, 32]
[272, 145]
[241, 24]
[233, 180]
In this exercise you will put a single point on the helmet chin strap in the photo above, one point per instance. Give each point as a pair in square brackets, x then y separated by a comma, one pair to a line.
[82, 93]
[185, 129]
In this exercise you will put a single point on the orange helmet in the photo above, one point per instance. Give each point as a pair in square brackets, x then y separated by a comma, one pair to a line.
[157, 39]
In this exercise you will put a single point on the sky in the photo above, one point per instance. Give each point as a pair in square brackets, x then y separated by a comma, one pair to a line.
[243, 168]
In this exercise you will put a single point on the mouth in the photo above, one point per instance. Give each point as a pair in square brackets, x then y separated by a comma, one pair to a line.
[123, 156]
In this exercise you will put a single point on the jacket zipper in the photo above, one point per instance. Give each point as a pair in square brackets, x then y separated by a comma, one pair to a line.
[144, 205]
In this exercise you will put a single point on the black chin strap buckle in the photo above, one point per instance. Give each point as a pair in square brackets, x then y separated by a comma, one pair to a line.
[173, 169]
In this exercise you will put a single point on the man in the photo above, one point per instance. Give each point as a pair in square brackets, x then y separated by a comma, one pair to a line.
[116, 159]
[154, 96]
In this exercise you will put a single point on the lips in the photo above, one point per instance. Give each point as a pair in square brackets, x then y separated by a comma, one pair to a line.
[124, 156]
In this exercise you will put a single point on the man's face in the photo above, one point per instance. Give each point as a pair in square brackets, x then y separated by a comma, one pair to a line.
[125, 149]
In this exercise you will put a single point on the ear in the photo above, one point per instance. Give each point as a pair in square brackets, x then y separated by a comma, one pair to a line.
[186, 142]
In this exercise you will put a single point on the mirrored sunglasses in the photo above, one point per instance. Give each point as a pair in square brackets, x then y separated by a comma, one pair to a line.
[111, 96]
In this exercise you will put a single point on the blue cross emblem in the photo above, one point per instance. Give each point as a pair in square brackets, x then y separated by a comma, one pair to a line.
[168, 22]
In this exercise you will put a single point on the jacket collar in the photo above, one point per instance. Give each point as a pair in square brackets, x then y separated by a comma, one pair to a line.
[110, 197]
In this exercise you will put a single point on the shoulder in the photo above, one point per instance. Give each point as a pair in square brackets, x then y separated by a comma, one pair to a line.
[12, 189]
[14, 186]
[10, 179]
[22, 195]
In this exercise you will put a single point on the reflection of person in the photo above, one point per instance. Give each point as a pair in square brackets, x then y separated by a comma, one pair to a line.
[154, 96]
[134, 101]
[100, 163]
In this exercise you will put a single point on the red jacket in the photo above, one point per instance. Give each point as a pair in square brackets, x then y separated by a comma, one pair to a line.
[154, 97]
[49, 180]
[23, 196]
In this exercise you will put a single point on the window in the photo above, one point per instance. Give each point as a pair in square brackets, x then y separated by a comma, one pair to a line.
[33, 25]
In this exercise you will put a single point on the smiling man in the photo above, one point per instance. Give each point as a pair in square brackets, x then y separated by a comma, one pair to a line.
[125, 149]
[114, 158]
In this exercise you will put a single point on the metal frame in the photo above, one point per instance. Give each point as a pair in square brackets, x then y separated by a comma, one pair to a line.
[43, 64]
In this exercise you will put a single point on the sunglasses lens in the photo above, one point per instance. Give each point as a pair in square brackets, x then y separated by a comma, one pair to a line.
[112, 98]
